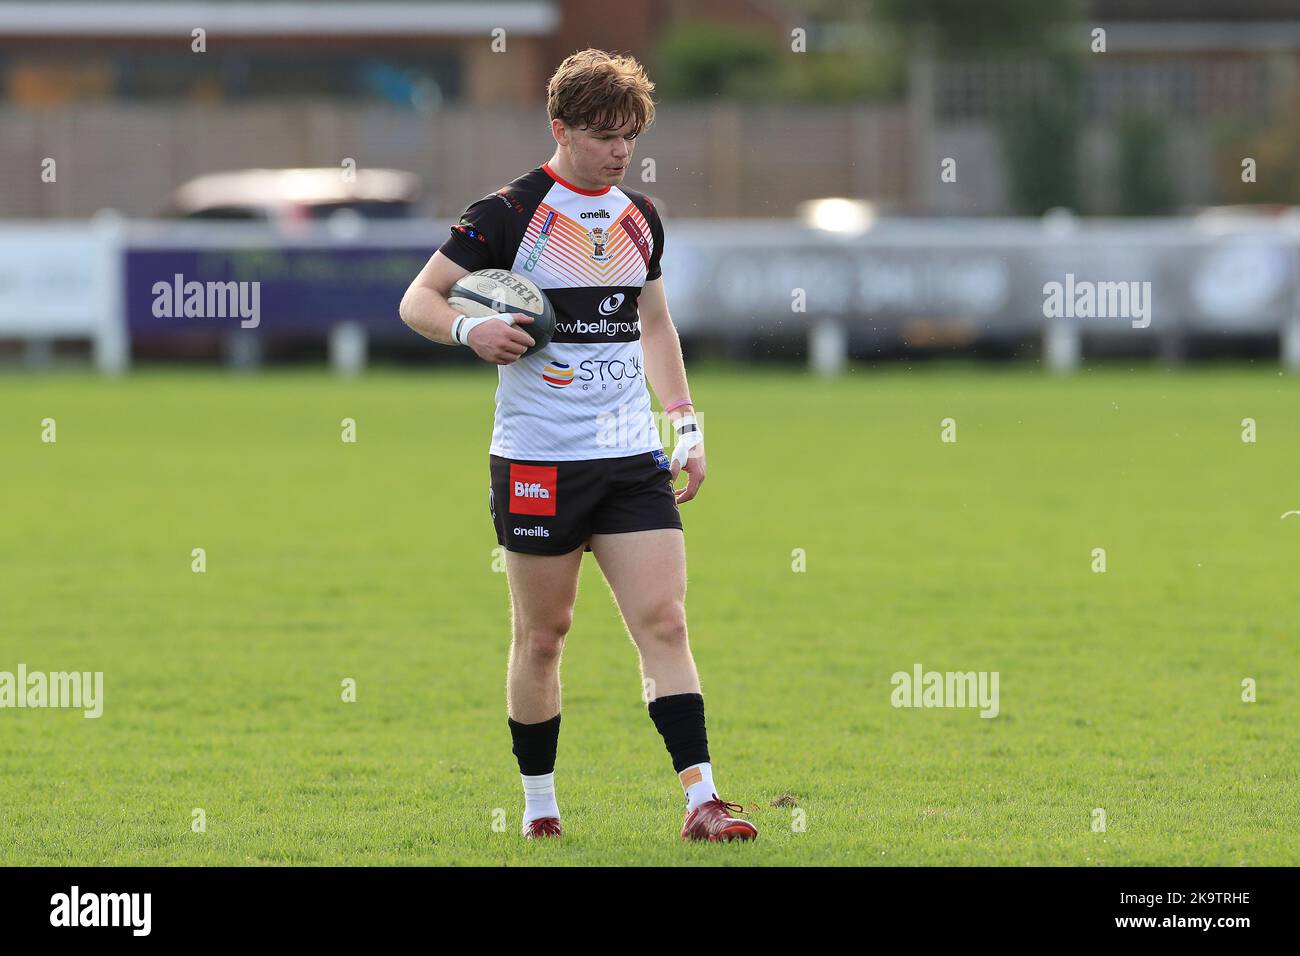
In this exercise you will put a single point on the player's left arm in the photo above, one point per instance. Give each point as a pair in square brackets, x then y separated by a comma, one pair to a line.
[666, 372]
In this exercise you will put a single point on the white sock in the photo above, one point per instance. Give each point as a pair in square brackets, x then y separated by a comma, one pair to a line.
[539, 797]
[697, 781]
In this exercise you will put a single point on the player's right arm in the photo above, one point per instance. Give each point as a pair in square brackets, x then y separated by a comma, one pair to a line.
[426, 310]
[425, 307]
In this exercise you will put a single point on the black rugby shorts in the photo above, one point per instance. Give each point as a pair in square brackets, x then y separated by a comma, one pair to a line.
[552, 507]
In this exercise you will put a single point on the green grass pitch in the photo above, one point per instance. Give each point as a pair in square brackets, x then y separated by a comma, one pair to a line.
[1119, 691]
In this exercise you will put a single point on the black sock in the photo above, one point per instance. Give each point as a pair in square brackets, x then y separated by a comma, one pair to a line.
[680, 721]
[535, 745]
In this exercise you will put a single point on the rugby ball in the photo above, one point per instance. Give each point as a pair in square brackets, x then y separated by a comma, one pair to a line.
[493, 291]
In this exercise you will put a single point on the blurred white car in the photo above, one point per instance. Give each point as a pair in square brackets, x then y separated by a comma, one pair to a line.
[284, 196]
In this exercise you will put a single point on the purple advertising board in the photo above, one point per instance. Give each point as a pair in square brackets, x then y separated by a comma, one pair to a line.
[276, 290]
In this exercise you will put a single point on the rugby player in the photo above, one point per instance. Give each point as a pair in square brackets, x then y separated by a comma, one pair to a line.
[575, 461]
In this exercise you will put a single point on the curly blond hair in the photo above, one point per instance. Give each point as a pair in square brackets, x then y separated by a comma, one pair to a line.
[598, 91]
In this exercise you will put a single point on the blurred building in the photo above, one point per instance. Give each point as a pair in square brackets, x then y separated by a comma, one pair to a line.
[407, 53]
[115, 92]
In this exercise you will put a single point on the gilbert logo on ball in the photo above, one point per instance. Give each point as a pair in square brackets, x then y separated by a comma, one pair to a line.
[499, 291]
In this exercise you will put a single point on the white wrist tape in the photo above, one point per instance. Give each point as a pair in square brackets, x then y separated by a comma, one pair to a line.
[689, 435]
[463, 325]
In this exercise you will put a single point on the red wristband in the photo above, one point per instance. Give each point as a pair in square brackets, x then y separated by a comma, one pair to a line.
[675, 405]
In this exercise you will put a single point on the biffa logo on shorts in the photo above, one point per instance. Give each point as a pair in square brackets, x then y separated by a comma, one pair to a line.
[532, 489]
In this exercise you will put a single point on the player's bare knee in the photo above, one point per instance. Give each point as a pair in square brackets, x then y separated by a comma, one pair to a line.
[666, 627]
[543, 640]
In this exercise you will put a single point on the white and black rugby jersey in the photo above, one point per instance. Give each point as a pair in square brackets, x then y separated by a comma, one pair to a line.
[591, 252]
